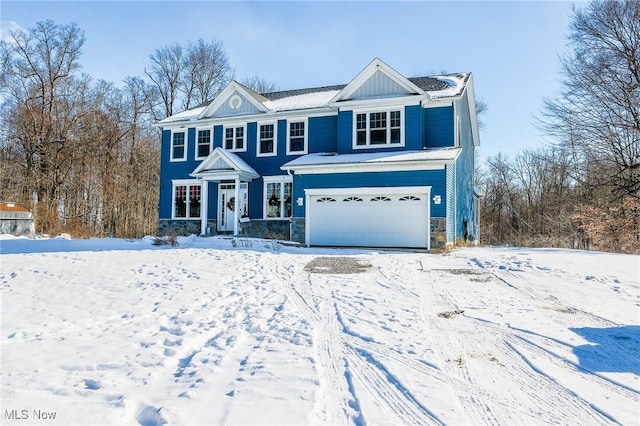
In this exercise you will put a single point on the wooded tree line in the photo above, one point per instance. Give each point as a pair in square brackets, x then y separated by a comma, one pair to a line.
[83, 154]
[582, 190]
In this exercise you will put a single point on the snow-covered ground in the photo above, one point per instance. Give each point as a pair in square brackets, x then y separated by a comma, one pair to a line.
[123, 332]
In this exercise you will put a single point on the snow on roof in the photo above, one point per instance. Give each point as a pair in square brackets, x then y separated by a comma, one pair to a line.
[441, 86]
[305, 101]
[190, 114]
[456, 83]
[329, 158]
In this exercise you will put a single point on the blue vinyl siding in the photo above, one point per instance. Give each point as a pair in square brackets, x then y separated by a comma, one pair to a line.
[439, 127]
[217, 136]
[465, 172]
[451, 176]
[413, 127]
[434, 178]
[323, 134]
[345, 132]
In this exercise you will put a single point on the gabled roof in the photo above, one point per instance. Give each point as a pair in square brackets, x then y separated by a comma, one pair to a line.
[386, 72]
[222, 164]
[254, 98]
[330, 162]
[328, 97]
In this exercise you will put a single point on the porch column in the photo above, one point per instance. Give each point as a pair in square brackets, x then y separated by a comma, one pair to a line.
[236, 219]
[204, 206]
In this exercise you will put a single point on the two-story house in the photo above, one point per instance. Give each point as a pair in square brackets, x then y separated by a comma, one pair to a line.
[383, 161]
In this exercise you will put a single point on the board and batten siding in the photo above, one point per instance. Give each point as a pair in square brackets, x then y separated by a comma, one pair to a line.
[434, 178]
[379, 85]
[323, 134]
[245, 108]
[413, 125]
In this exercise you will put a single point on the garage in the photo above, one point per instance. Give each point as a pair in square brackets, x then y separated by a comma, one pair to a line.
[368, 217]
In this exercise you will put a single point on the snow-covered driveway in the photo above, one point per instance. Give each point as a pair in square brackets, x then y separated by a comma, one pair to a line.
[116, 332]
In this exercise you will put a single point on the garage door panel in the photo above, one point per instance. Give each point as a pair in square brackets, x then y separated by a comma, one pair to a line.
[378, 220]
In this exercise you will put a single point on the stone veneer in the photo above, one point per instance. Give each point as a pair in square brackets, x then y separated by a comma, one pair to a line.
[272, 229]
[182, 227]
[298, 227]
[438, 233]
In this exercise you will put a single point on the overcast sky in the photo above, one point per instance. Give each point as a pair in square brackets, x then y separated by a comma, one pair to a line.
[512, 48]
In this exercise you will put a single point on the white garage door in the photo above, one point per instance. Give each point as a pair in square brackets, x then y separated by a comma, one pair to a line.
[369, 217]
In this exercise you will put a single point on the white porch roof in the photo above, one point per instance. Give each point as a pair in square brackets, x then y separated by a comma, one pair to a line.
[326, 162]
[224, 165]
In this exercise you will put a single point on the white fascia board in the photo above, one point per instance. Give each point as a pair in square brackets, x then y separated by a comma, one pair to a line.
[436, 103]
[377, 103]
[376, 65]
[471, 98]
[393, 190]
[219, 175]
[320, 169]
[224, 97]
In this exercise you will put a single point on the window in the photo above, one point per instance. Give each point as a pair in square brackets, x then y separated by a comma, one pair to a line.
[326, 200]
[267, 140]
[297, 137]
[234, 138]
[352, 199]
[178, 146]
[278, 192]
[186, 200]
[204, 143]
[381, 198]
[409, 198]
[379, 128]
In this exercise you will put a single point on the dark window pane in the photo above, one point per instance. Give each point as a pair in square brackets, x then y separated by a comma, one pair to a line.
[395, 136]
[378, 137]
[266, 146]
[178, 151]
[362, 138]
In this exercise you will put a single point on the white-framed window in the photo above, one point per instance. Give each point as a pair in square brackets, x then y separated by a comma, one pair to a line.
[278, 193]
[297, 130]
[267, 140]
[179, 146]
[203, 143]
[235, 138]
[187, 199]
[378, 128]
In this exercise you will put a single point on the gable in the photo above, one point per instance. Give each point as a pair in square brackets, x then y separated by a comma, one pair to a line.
[235, 99]
[377, 80]
[380, 85]
[236, 104]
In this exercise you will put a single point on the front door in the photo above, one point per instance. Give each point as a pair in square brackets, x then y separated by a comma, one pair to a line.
[226, 205]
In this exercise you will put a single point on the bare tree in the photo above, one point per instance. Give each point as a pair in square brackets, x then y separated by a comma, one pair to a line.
[185, 77]
[259, 84]
[597, 115]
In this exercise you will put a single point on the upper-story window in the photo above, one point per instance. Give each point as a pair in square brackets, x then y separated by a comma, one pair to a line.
[178, 146]
[378, 128]
[297, 137]
[267, 140]
[203, 147]
[234, 138]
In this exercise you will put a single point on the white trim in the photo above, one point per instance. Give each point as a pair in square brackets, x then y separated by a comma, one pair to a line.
[369, 190]
[375, 65]
[223, 98]
[186, 145]
[377, 103]
[304, 120]
[457, 132]
[368, 144]
[188, 183]
[282, 179]
[235, 126]
[200, 129]
[369, 167]
[275, 138]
